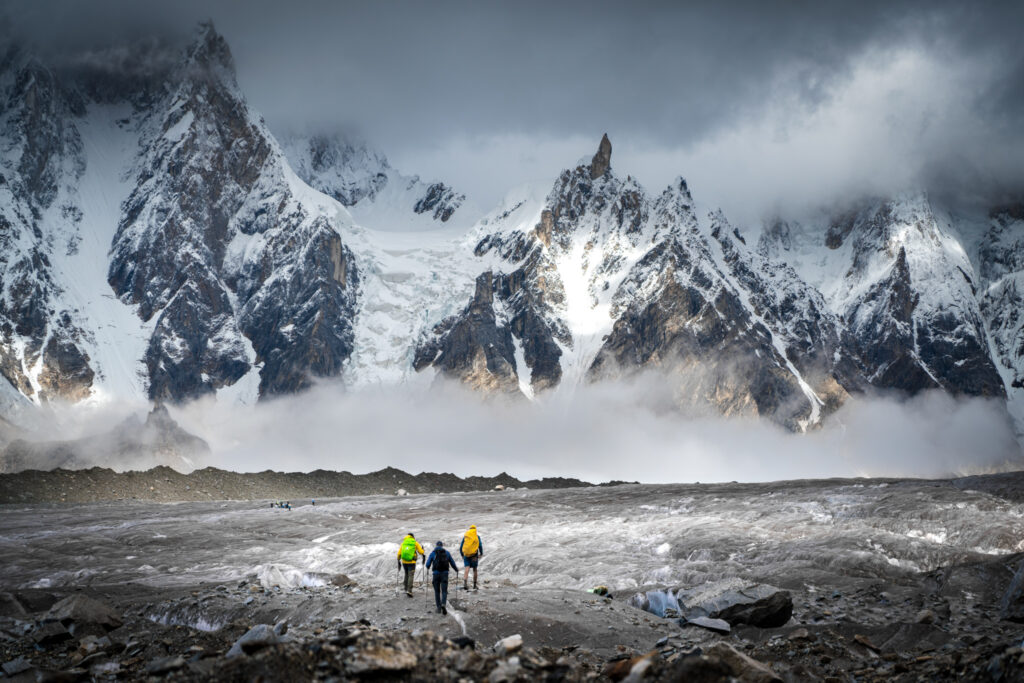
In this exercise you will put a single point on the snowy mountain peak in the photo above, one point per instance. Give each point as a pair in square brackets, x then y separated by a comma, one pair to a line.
[380, 197]
[158, 240]
[339, 167]
[210, 54]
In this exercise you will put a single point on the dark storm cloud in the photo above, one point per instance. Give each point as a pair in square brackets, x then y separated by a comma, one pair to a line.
[492, 94]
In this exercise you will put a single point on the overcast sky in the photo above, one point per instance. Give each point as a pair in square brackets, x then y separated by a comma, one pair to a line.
[759, 105]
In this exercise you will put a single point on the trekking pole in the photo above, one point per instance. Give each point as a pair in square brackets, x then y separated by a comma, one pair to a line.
[455, 598]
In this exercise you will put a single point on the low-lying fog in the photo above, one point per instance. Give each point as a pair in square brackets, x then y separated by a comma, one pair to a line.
[598, 433]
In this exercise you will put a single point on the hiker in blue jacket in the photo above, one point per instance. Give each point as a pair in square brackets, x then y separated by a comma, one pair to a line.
[441, 561]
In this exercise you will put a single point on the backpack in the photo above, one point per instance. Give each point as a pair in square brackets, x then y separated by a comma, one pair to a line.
[441, 560]
[470, 543]
[409, 549]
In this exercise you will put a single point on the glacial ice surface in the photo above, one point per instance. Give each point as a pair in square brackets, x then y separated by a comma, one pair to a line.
[626, 537]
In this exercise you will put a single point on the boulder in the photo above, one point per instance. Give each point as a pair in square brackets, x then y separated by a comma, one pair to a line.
[507, 646]
[255, 639]
[16, 666]
[165, 665]
[716, 625]
[342, 581]
[770, 612]
[10, 606]
[83, 615]
[50, 633]
[1012, 604]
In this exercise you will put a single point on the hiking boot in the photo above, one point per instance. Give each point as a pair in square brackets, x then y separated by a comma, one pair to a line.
[444, 610]
[465, 586]
[475, 587]
[437, 609]
[409, 593]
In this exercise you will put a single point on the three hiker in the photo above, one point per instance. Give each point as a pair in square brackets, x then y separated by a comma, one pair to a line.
[471, 550]
[441, 561]
[408, 551]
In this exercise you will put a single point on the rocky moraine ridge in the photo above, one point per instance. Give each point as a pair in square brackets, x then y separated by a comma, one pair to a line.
[235, 262]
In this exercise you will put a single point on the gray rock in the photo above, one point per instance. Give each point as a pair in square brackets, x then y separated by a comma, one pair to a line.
[1012, 604]
[343, 581]
[10, 606]
[770, 612]
[83, 615]
[716, 625]
[509, 645]
[165, 665]
[16, 666]
[50, 633]
[255, 639]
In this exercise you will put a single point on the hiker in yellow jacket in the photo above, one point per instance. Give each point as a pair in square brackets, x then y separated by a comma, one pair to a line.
[407, 553]
[471, 550]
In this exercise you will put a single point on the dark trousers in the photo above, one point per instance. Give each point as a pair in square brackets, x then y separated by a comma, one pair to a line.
[410, 574]
[440, 588]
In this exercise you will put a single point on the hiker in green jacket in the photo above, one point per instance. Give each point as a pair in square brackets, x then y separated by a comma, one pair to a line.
[407, 553]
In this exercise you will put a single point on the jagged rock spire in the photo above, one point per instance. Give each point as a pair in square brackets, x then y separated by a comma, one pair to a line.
[210, 51]
[602, 160]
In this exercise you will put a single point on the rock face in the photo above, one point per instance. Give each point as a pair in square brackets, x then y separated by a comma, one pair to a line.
[337, 167]
[133, 444]
[216, 246]
[472, 346]
[354, 174]
[1000, 253]
[599, 281]
[602, 160]
[606, 282]
[41, 349]
[440, 201]
[917, 326]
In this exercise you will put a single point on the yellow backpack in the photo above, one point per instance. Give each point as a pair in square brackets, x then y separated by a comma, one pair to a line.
[471, 542]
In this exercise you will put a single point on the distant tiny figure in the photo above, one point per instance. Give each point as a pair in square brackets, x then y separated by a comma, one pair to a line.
[441, 560]
[471, 550]
[408, 552]
[313, 502]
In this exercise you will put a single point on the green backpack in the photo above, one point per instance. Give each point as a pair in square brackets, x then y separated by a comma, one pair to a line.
[409, 549]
